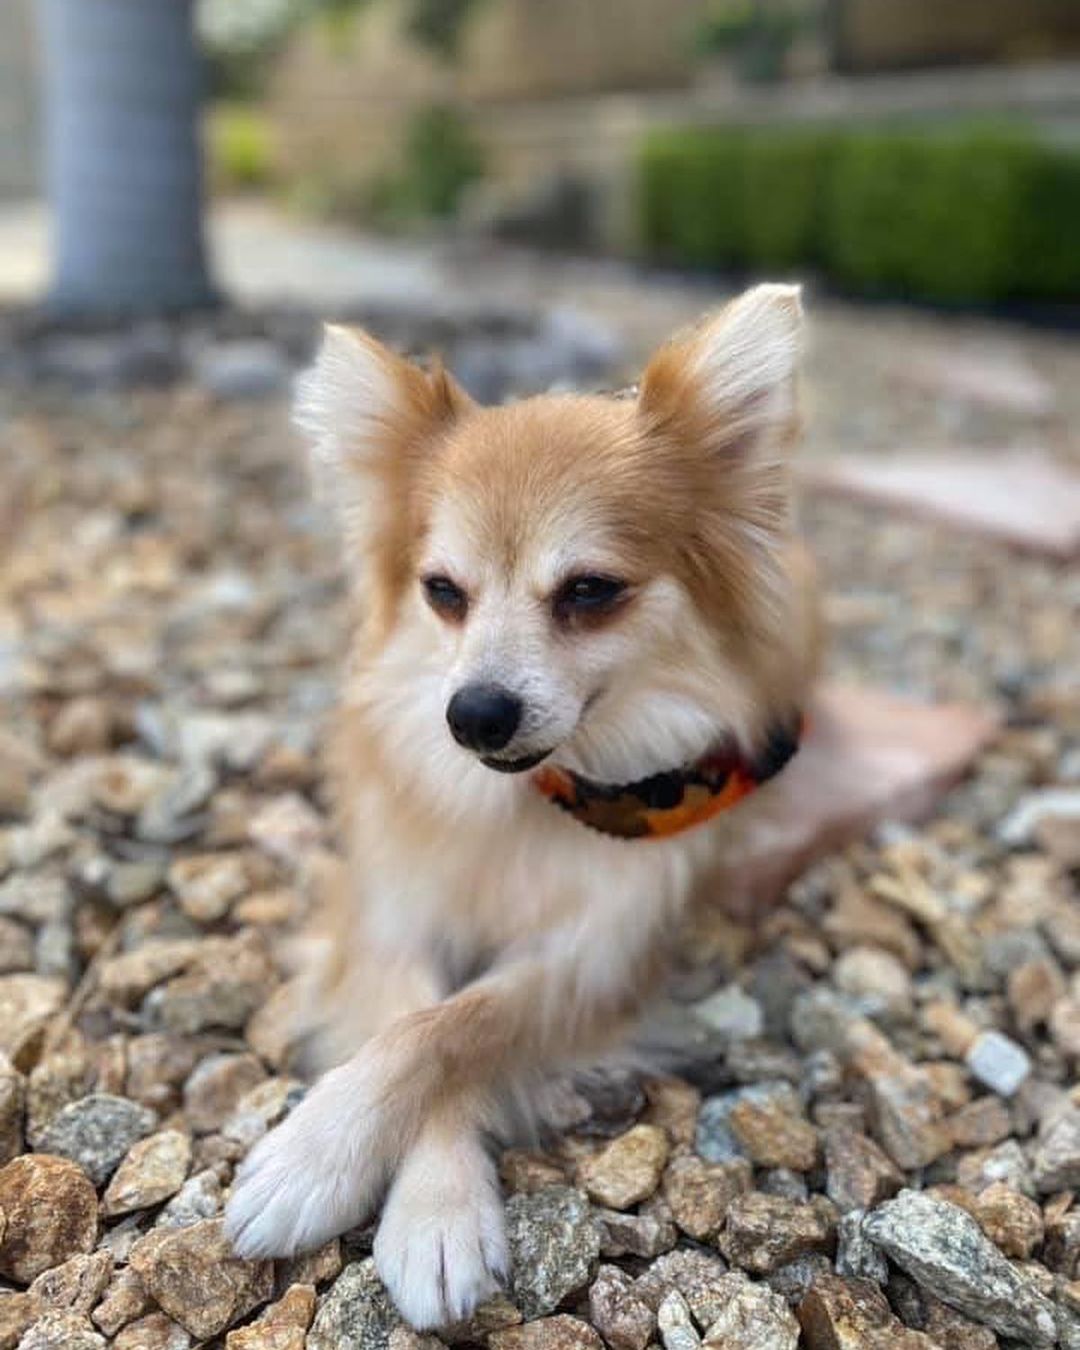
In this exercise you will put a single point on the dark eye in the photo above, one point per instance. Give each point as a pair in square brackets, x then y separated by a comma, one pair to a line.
[445, 597]
[587, 595]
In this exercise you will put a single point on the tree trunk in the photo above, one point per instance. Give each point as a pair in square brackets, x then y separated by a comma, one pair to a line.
[122, 83]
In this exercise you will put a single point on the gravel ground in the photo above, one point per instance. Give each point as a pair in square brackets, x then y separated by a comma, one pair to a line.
[876, 1142]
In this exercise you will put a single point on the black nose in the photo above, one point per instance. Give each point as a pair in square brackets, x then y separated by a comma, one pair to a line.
[483, 717]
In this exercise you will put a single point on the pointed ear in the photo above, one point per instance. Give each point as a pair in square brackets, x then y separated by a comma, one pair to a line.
[369, 416]
[731, 383]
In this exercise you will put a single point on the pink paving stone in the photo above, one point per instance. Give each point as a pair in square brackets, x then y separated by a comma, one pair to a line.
[999, 380]
[869, 756]
[1022, 497]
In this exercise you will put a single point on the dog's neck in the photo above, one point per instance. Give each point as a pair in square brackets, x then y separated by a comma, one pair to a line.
[666, 804]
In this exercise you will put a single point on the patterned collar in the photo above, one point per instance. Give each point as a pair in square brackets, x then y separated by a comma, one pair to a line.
[666, 804]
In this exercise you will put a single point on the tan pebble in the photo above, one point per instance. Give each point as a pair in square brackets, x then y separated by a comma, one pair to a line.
[628, 1169]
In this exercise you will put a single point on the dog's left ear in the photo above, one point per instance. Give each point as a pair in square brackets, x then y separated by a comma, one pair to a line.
[370, 416]
[730, 384]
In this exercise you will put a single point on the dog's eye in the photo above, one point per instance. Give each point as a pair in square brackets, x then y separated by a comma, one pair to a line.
[587, 594]
[445, 597]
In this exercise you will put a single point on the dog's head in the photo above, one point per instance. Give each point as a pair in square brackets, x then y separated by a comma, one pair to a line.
[598, 577]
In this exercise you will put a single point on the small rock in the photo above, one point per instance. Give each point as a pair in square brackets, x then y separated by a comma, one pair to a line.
[858, 1174]
[226, 982]
[554, 1247]
[17, 1313]
[998, 1062]
[627, 1170]
[1055, 1161]
[27, 1003]
[763, 1232]
[51, 1213]
[125, 1299]
[194, 1277]
[75, 1285]
[317, 1267]
[920, 1310]
[355, 1312]
[261, 1108]
[206, 884]
[154, 1332]
[197, 1199]
[673, 1105]
[217, 1086]
[283, 1326]
[523, 1170]
[975, 1171]
[1065, 1026]
[699, 1193]
[877, 979]
[16, 947]
[645, 1235]
[856, 1255]
[131, 883]
[980, 1124]
[697, 1276]
[494, 1314]
[618, 1312]
[82, 727]
[96, 1132]
[548, 1333]
[126, 978]
[242, 369]
[943, 1249]
[904, 1113]
[153, 1170]
[12, 1106]
[753, 1318]
[715, 1141]
[62, 1331]
[1033, 988]
[674, 1323]
[773, 1137]
[839, 1314]
[732, 1013]
[1010, 1220]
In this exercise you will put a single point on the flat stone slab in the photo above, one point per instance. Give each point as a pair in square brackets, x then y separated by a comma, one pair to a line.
[869, 756]
[1024, 498]
[988, 377]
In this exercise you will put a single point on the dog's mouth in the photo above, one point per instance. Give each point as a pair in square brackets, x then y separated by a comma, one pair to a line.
[520, 765]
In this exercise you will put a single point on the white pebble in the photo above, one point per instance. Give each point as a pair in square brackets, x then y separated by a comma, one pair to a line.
[998, 1062]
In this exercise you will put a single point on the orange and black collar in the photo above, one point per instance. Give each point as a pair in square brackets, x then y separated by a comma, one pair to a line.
[666, 804]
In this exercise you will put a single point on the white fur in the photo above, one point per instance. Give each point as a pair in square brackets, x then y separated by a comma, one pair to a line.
[342, 404]
[750, 353]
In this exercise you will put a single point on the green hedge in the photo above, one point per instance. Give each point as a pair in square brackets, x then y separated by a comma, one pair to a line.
[979, 215]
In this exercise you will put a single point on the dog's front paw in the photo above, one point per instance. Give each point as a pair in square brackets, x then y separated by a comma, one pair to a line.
[318, 1173]
[441, 1246]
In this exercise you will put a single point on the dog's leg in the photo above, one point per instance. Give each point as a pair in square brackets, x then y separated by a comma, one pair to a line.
[322, 1169]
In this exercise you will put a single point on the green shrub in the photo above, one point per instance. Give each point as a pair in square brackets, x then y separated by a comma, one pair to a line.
[934, 217]
[1046, 256]
[241, 148]
[977, 215]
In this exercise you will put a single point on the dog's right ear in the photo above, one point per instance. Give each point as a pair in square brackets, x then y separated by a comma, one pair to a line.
[369, 415]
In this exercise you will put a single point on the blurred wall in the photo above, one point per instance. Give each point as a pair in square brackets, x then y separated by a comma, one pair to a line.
[19, 112]
[342, 101]
[896, 34]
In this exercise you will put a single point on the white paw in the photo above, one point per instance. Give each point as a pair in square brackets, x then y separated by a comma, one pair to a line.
[441, 1246]
[318, 1173]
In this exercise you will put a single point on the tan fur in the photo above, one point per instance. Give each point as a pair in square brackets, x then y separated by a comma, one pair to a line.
[476, 942]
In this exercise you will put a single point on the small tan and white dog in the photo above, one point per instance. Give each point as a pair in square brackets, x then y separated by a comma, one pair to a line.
[587, 626]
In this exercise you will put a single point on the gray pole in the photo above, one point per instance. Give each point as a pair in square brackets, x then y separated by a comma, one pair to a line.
[122, 90]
